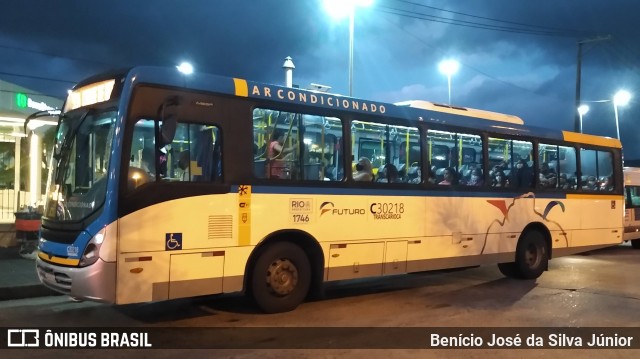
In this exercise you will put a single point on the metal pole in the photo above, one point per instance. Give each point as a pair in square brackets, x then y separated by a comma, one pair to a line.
[449, 86]
[579, 74]
[615, 110]
[579, 114]
[578, 117]
[351, 30]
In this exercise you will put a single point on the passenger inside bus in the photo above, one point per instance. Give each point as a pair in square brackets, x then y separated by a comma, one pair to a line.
[499, 179]
[563, 181]
[389, 174]
[547, 176]
[148, 161]
[413, 174]
[449, 177]
[277, 155]
[590, 184]
[364, 170]
[607, 184]
[522, 176]
[476, 178]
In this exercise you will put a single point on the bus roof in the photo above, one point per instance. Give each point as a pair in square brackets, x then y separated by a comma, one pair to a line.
[465, 111]
[632, 176]
[418, 111]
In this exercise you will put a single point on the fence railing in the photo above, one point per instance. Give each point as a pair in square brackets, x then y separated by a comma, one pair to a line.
[10, 203]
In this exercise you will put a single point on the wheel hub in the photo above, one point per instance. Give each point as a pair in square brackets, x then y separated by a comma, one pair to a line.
[532, 256]
[282, 277]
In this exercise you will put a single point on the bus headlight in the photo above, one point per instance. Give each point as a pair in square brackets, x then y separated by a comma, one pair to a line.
[92, 250]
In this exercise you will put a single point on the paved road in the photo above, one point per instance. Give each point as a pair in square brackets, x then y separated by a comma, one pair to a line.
[599, 289]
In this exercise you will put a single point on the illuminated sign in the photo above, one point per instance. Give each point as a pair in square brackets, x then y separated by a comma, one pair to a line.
[24, 101]
[21, 100]
[316, 98]
[89, 95]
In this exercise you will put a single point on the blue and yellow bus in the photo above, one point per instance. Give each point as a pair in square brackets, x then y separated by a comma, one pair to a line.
[165, 185]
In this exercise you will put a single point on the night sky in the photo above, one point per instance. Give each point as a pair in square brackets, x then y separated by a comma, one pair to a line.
[517, 57]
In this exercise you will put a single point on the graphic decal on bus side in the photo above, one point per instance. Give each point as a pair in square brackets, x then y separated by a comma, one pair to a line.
[502, 206]
[387, 210]
[329, 207]
[325, 100]
[173, 241]
[244, 215]
[301, 210]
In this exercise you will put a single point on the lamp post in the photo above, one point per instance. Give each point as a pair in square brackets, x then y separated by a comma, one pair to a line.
[340, 8]
[621, 98]
[449, 67]
[582, 110]
[579, 70]
[185, 67]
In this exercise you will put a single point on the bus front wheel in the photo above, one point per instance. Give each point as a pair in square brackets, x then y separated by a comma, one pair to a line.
[532, 257]
[281, 278]
[635, 243]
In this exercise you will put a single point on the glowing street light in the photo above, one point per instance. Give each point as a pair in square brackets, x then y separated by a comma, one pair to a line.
[621, 98]
[339, 9]
[186, 68]
[449, 67]
[582, 110]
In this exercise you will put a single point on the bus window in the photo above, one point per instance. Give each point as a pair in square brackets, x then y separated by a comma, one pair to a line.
[459, 153]
[386, 146]
[195, 154]
[596, 170]
[557, 167]
[293, 146]
[511, 161]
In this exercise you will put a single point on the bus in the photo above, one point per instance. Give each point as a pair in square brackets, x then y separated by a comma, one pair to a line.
[632, 206]
[165, 185]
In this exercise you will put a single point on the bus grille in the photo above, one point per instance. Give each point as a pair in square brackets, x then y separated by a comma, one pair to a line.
[220, 227]
[56, 280]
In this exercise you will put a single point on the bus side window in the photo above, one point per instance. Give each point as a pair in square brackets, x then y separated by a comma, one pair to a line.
[296, 146]
[594, 166]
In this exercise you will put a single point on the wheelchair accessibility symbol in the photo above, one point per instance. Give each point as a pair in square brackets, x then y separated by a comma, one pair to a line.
[173, 241]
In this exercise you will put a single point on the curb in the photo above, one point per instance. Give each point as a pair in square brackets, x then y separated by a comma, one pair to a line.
[26, 291]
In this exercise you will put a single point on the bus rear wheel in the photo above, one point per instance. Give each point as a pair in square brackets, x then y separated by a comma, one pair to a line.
[635, 243]
[532, 257]
[281, 278]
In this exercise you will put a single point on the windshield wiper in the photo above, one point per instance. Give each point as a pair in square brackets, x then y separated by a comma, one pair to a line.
[66, 145]
[46, 113]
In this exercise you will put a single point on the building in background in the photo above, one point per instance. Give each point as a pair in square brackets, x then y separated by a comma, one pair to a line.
[23, 154]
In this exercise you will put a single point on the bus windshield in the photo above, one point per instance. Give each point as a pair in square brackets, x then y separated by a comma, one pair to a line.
[77, 182]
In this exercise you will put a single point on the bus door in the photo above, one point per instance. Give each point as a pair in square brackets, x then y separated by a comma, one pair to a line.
[174, 210]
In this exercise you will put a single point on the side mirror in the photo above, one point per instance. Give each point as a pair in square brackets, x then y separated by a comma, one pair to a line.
[169, 118]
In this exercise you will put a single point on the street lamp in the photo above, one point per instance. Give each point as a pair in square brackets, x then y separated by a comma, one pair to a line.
[621, 98]
[186, 68]
[582, 110]
[339, 9]
[449, 67]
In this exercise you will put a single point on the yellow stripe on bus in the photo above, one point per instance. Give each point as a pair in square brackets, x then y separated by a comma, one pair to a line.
[242, 89]
[591, 140]
[596, 196]
[244, 215]
[58, 260]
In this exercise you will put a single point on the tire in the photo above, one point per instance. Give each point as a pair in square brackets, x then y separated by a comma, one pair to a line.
[281, 278]
[635, 243]
[532, 255]
[509, 270]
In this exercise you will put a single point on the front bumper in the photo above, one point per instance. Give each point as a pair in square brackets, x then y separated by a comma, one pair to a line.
[96, 282]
